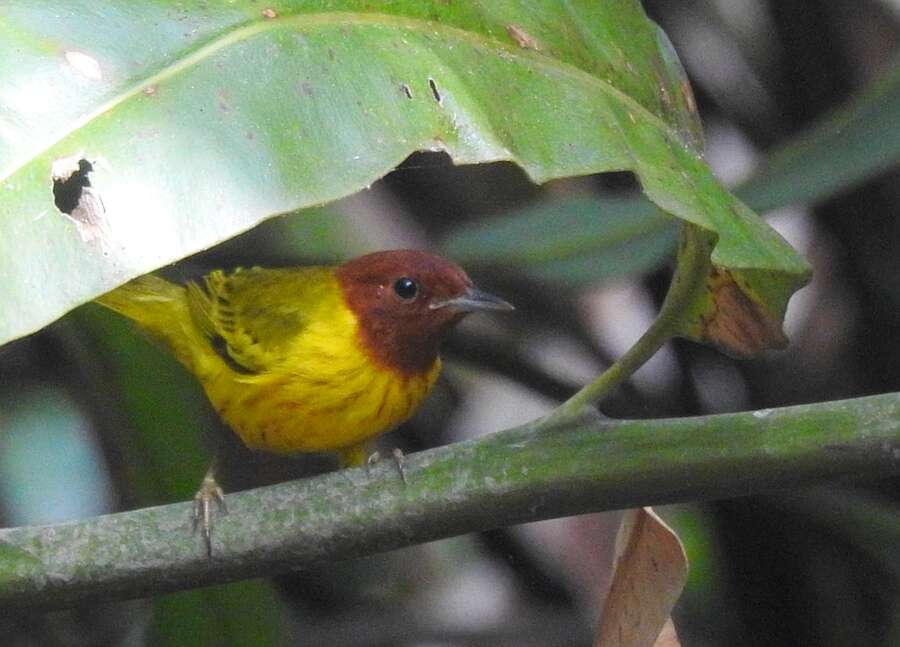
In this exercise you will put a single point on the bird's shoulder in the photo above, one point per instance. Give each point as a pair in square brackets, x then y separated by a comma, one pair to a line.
[252, 315]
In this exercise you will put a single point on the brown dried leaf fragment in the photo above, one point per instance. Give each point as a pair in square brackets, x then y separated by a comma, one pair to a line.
[523, 38]
[651, 570]
[688, 93]
[739, 311]
[734, 322]
[668, 637]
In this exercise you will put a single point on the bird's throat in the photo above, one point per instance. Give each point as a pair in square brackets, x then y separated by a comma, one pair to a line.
[397, 349]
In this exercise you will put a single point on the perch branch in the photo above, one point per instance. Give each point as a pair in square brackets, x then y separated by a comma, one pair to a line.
[538, 471]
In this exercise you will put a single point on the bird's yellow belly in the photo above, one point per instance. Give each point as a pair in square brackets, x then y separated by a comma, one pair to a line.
[341, 406]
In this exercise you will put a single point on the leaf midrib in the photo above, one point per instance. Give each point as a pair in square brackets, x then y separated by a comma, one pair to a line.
[244, 31]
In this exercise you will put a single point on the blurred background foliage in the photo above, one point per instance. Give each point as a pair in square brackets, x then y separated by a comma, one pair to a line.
[95, 418]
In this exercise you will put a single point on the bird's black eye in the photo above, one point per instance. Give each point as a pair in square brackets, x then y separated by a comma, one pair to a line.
[406, 288]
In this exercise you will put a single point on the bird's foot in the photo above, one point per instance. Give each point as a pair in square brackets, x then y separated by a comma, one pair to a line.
[373, 460]
[209, 493]
[399, 461]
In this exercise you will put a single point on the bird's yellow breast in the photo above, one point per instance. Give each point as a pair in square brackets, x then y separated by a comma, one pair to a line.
[325, 393]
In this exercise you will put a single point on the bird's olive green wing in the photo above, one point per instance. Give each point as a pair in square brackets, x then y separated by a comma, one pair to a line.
[251, 316]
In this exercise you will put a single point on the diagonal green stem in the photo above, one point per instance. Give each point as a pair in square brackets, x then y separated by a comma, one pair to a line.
[689, 279]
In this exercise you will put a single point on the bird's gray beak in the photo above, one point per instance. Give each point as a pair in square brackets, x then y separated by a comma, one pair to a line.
[472, 300]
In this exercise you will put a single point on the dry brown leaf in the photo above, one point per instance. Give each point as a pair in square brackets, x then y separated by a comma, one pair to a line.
[651, 570]
[523, 38]
[739, 311]
[668, 637]
[734, 322]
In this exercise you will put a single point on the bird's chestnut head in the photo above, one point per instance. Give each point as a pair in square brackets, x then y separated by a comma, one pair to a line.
[406, 301]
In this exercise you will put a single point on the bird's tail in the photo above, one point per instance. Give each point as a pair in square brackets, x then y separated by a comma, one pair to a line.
[160, 308]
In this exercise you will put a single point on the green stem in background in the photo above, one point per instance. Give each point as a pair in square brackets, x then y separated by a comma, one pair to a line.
[515, 476]
[689, 280]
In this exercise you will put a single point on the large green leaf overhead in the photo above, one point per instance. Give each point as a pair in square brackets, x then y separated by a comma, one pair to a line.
[196, 121]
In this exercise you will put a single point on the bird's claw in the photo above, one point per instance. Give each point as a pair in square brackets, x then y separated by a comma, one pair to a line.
[399, 460]
[208, 493]
[371, 461]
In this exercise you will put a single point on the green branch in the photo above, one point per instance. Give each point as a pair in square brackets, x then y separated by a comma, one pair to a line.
[537, 471]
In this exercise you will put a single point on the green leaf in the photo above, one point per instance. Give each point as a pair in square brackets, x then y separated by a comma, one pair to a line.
[858, 141]
[191, 124]
[572, 242]
[241, 613]
[164, 408]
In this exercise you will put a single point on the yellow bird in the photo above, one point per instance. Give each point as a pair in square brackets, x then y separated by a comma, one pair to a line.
[309, 359]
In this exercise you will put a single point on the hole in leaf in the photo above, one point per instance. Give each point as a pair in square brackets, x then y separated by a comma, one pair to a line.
[406, 90]
[69, 184]
[434, 90]
[75, 198]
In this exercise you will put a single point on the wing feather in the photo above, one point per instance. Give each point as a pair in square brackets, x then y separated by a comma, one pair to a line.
[253, 316]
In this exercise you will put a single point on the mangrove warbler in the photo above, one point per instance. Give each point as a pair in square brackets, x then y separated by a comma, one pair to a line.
[309, 359]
